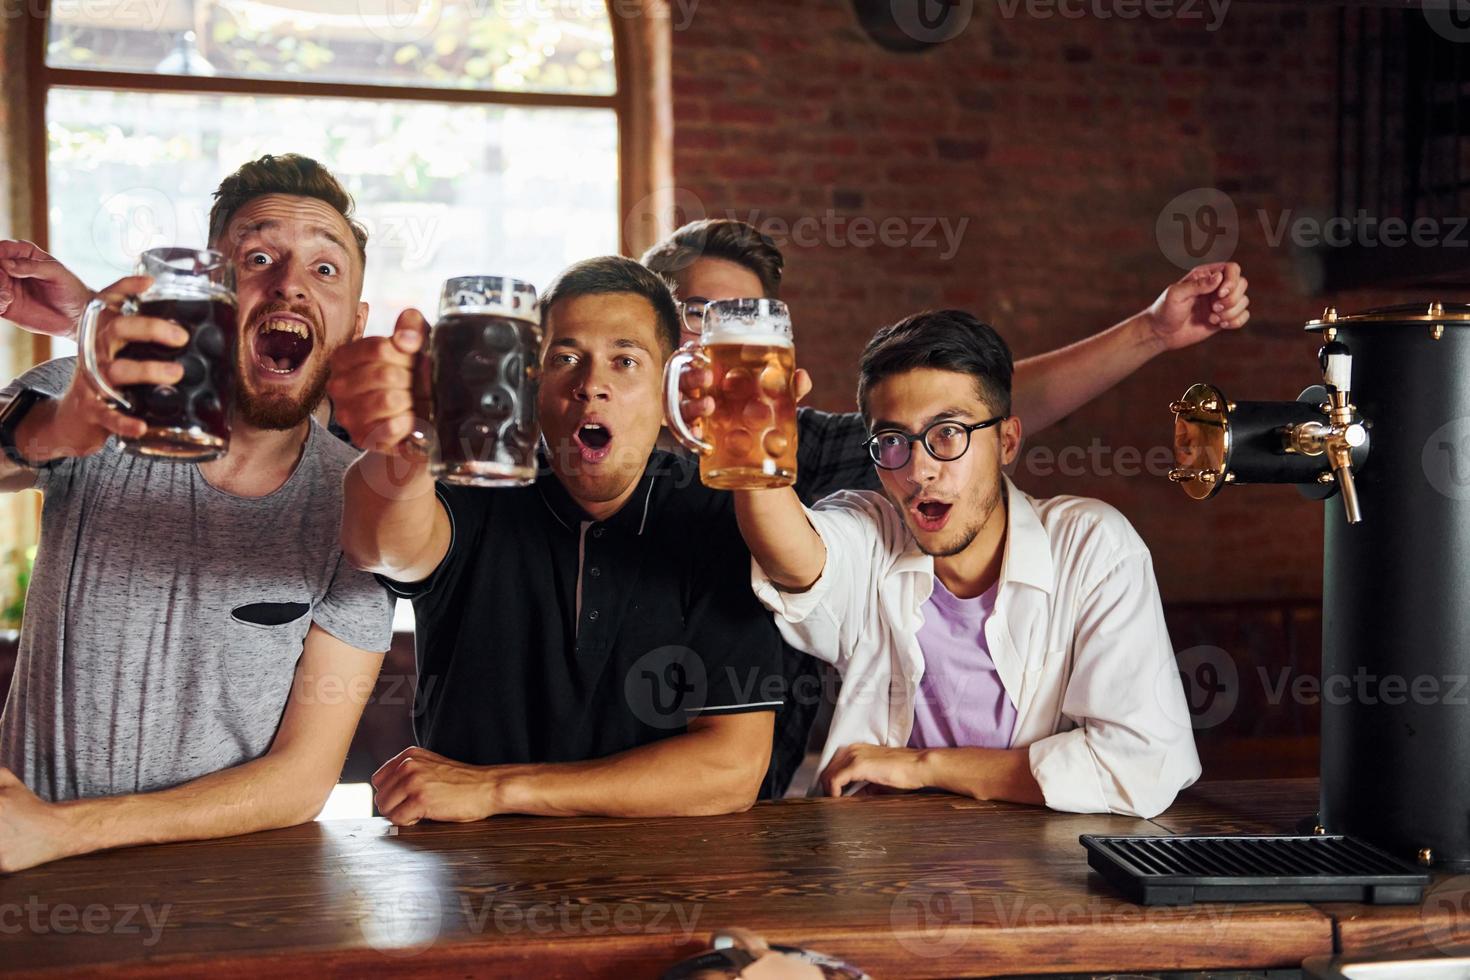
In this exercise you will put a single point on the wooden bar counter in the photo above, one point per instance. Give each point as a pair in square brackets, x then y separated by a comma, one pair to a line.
[912, 886]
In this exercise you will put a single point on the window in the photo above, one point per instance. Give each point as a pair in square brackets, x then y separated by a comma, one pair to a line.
[477, 136]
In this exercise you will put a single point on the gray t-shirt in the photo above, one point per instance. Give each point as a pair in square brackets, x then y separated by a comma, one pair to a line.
[165, 617]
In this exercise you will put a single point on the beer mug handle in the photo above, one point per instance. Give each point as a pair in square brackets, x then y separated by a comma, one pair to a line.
[422, 437]
[419, 438]
[87, 347]
[690, 353]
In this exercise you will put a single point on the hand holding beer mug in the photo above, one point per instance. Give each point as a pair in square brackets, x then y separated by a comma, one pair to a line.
[187, 421]
[484, 372]
[750, 438]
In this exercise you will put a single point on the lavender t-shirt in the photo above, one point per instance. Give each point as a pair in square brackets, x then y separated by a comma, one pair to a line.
[961, 702]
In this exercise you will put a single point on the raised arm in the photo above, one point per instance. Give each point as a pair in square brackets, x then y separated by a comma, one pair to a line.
[288, 785]
[715, 767]
[781, 539]
[80, 421]
[38, 293]
[392, 523]
[1211, 298]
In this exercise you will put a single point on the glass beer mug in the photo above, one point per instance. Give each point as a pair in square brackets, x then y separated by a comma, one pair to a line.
[750, 441]
[188, 422]
[484, 375]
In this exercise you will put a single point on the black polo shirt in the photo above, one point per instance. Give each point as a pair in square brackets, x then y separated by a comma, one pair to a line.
[545, 636]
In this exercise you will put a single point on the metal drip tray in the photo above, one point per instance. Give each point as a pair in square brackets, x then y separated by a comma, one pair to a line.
[1443, 968]
[1184, 870]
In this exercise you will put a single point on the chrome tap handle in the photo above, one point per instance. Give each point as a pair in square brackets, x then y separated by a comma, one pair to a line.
[1342, 469]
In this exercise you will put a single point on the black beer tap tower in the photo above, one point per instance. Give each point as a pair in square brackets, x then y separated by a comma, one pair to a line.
[1385, 431]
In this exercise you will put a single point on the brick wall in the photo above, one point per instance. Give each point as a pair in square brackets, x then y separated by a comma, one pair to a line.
[1060, 140]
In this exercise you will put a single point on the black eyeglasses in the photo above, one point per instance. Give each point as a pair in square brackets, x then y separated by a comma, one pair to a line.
[945, 440]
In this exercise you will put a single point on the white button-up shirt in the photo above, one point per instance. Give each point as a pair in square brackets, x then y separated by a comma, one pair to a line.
[1077, 636]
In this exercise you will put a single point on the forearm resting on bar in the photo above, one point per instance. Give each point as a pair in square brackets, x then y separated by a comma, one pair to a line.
[286, 786]
[715, 767]
[392, 523]
[780, 538]
[984, 774]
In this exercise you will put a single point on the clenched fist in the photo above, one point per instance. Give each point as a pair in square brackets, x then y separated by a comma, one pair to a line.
[379, 387]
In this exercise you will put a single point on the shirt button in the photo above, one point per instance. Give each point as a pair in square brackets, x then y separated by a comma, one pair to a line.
[594, 572]
[597, 532]
[592, 616]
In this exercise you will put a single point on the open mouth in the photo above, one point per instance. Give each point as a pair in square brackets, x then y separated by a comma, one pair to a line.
[932, 515]
[594, 441]
[281, 346]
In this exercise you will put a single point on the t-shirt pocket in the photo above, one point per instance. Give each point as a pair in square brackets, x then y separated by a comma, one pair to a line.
[269, 614]
[262, 643]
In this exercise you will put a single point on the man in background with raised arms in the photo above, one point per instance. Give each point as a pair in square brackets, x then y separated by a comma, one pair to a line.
[719, 259]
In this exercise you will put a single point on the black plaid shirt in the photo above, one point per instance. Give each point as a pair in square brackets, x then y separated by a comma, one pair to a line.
[832, 455]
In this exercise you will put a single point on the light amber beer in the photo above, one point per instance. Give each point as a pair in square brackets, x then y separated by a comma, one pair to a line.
[753, 429]
[749, 442]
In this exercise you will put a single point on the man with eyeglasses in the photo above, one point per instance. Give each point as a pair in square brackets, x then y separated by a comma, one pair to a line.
[991, 644]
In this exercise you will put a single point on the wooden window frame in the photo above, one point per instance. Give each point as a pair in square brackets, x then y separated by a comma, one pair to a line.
[641, 103]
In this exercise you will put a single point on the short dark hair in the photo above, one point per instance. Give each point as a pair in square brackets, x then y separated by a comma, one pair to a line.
[720, 238]
[615, 274]
[950, 340]
[288, 173]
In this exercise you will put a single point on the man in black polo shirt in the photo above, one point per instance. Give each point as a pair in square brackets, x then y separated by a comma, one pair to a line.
[589, 644]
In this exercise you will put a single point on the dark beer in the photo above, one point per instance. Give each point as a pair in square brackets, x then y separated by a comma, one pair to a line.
[191, 419]
[484, 389]
[188, 422]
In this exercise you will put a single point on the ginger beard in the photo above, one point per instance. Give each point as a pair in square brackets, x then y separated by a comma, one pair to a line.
[277, 342]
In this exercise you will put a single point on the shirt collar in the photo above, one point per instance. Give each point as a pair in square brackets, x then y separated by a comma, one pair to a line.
[1028, 548]
[1027, 558]
[632, 517]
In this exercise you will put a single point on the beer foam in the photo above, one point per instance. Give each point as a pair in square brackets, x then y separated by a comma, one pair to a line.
[746, 340]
